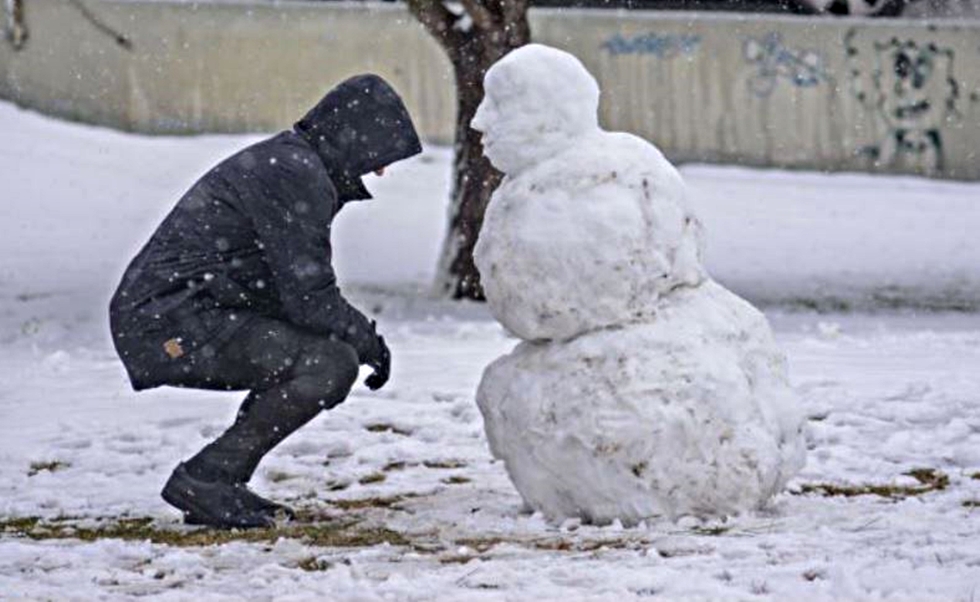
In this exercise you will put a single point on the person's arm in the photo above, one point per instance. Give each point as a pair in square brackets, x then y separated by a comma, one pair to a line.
[291, 217]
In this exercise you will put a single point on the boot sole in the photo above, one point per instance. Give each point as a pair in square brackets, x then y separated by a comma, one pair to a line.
[190, 518]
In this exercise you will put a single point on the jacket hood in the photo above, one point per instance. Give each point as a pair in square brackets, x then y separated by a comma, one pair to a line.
[359, 126]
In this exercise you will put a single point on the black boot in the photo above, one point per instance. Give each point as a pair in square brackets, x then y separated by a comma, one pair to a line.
[264, 420]
[233, 457]
[216, 504]
[277, 512]
[183, 481]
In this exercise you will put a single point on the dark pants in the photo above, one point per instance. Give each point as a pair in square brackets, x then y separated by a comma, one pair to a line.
[292, 375]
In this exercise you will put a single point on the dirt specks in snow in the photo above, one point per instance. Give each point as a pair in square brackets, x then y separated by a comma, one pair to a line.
[374, 477]
[388, 428]
[49, 466]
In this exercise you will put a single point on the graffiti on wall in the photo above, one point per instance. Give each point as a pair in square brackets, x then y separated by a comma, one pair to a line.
[772, 62]
[912, 90]
[660, 45]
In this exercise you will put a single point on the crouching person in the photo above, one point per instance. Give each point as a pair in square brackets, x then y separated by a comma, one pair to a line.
[235, 291]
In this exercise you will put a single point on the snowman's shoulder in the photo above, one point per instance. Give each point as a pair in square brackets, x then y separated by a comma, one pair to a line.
[638, 161]
[630, 147]
[603, 158]
[602, 149]
[716, 309]
[747, 320]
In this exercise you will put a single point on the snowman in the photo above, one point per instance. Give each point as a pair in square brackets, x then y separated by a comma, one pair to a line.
[641, 389]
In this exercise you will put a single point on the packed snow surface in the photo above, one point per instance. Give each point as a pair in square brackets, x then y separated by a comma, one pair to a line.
[885, 393]
[673, 400]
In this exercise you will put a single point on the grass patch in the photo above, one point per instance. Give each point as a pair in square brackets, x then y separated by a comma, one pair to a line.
[376, 477]
[312, 564]
[929, 480]
[457, 480]
[387, 428]
[458, 558]
[371, 502]
[481, 545]
[340, 534]
[714, 531]
[930, 477]
[588, 545]
[53, 466]
[20, 525]
[444, 464]
[317, 529]
[393, 466]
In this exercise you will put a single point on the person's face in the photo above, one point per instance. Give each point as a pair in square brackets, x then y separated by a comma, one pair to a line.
[379, 172]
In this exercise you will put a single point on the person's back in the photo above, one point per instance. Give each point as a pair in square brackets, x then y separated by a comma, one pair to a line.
[235, 290]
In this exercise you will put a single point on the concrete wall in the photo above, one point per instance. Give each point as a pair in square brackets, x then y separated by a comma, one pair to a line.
[823, 93]
[219, 67]
[816, 93]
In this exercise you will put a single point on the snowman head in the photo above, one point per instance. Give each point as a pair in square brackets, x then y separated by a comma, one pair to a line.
[537, 102]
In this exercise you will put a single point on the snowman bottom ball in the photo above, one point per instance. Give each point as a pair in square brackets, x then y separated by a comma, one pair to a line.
[689, 414]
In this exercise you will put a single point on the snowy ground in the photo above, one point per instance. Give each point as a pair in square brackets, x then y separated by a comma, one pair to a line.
[888, 392]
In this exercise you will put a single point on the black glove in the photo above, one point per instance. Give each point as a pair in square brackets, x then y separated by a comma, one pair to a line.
[382, 366]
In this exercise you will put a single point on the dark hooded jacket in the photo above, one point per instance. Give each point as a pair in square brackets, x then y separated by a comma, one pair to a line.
[252, 238]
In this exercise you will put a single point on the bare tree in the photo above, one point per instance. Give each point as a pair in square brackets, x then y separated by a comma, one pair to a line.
[99, 24]
[16, 30]
[474, 34]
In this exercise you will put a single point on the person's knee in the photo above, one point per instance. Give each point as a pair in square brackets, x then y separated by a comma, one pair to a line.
[347, 365]
[328, 371]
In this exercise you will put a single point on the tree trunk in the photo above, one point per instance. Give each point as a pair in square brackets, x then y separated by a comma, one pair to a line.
[496, 28]
[16, 30]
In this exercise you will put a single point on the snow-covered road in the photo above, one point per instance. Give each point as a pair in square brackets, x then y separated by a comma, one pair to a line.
[888, 394]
